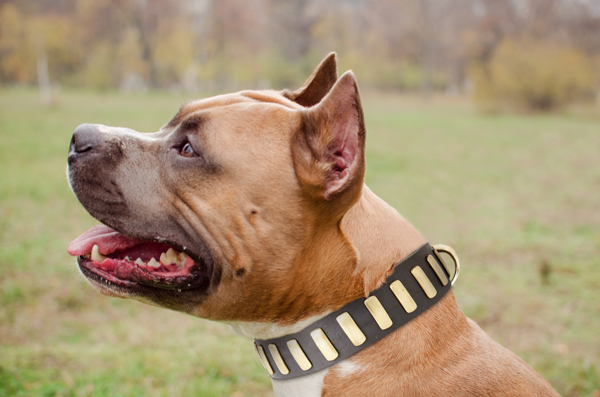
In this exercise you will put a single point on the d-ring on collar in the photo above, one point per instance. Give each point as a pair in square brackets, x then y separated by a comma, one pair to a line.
[415, 285]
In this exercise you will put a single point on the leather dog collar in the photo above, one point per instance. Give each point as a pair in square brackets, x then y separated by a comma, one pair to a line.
[415, 285]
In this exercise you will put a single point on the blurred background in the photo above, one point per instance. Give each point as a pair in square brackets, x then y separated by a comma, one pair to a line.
[536, 54]
[483, 122]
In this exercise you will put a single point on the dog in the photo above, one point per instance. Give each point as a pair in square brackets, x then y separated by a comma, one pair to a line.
[251, 209]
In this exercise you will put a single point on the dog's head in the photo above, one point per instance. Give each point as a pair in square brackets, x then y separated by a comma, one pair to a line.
[233, 207]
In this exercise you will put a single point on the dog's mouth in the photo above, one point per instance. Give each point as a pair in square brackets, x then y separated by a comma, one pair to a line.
[110, 258]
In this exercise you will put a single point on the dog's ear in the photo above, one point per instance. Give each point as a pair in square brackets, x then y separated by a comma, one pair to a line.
[329, 147]
[318, 84]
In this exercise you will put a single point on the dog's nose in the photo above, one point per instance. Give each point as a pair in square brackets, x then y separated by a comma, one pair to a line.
[85, 139]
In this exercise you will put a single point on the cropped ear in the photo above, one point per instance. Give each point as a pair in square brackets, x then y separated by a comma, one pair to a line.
[329, 148]
[318, 84]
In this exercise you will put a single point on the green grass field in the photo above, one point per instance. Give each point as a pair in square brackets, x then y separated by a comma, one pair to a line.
[517, 196]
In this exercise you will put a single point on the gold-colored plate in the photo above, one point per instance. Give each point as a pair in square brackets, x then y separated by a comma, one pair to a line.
[324, 345]
[348, 325]
[263, 359]
[407, 302]
[437, 269]
[378, 312]
[442, 261]
[278, 359]
[424, 282]
[299, 355]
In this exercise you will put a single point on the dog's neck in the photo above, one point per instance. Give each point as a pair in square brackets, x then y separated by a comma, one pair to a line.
[390, 240]
[378, 248]
[381, 237]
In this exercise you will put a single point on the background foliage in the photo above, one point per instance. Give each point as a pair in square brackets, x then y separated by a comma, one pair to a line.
[503, 47]
[534, 76]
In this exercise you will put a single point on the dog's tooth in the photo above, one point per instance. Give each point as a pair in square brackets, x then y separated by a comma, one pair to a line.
[153, 263]
[181, 259]
[163, 259]
[171, 256]
[128, 259]
[96, 255]
[139, 262]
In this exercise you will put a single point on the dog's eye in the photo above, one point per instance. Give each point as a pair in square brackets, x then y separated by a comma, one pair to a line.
[188, 151]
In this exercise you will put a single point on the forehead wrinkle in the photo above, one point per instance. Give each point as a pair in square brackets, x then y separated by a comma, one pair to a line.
[194, 121]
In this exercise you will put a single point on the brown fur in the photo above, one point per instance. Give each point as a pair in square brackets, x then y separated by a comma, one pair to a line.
[278, 200]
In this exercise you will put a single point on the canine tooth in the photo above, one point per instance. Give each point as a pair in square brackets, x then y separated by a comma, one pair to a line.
[96, 255]
[128, 259]
[153, 263]
[139, 262]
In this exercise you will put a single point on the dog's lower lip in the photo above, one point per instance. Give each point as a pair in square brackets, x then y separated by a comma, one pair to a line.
[126, 289]
[121, 273]
[102, 277]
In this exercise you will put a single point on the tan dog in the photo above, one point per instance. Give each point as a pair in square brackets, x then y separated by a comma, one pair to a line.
[251, 209]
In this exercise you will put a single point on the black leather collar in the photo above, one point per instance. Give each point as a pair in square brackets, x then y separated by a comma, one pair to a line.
[406, 293]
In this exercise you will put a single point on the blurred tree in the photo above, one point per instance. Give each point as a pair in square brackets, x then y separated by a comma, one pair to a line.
[152, 18]
[56, 38]
[534, 76]
[173, 54]
[17, 56]
[296, 19]
[131, 70]
[235, 40]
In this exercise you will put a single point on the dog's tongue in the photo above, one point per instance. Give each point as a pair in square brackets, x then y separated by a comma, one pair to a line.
[107, 239]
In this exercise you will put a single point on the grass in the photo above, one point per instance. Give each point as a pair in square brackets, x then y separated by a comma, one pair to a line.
[516, 196]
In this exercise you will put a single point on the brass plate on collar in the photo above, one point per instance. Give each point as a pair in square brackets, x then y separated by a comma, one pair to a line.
[299, 355]
[278, 359]
[407, 302]
[378, 312]
[437, 269]
[324, 344]
[442, 261]
[350, 328]
[263, 359]
[424, 282]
